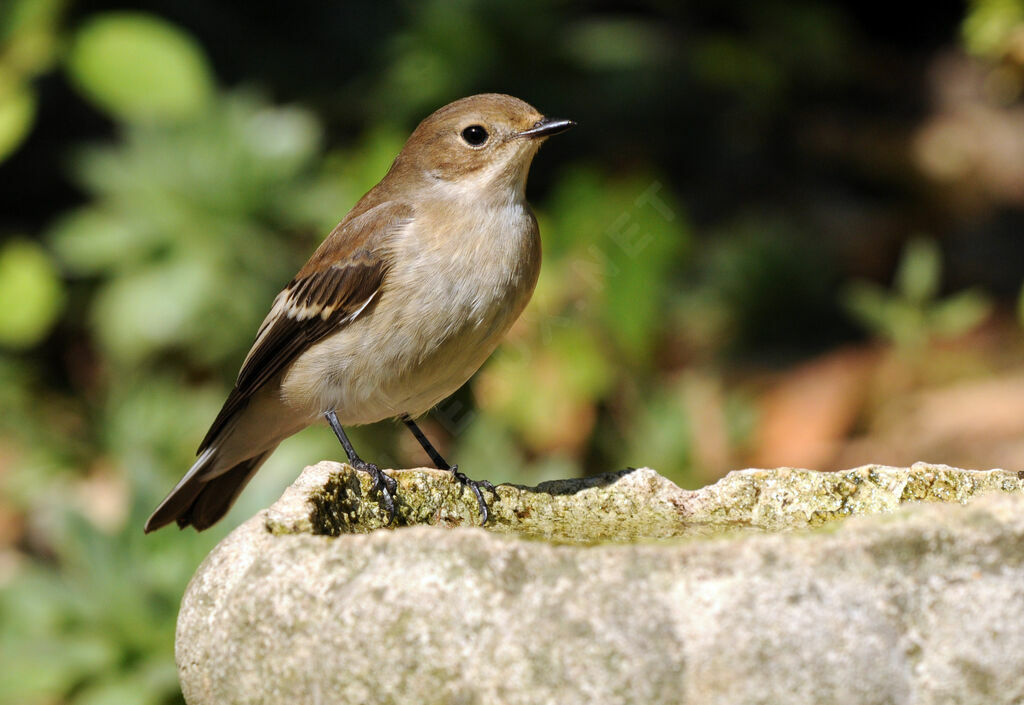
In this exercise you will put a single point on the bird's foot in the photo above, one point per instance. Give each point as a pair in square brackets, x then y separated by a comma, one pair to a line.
[384, 487]
[475, 485]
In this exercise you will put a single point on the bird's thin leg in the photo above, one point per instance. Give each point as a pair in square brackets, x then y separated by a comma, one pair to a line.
[442, 464]
[435, 457]
[383, 486]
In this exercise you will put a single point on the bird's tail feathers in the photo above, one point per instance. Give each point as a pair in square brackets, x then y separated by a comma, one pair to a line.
[239, 441]
[207, 491]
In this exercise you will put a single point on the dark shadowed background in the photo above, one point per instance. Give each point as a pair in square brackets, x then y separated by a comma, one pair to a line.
[784, 233]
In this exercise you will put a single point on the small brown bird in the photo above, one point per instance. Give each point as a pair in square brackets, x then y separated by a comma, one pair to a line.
[398, 307]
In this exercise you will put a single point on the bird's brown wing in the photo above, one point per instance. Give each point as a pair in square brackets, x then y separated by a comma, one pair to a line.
[340, 281]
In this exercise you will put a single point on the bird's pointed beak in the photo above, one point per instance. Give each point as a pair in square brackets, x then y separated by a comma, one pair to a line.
[547, 126]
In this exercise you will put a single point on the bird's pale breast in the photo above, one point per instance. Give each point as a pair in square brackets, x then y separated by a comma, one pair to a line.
[439, 315]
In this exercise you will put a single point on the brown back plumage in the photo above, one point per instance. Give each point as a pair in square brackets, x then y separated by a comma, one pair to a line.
[341, 277]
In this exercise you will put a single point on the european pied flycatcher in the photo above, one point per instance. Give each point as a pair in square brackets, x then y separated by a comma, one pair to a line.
[398, 307]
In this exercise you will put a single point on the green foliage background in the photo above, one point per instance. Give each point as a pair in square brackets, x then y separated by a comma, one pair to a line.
[728, 200]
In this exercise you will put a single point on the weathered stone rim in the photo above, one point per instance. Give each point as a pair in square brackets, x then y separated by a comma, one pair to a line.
[627, 506]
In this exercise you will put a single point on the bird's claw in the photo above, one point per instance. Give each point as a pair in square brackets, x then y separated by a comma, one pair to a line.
[475, 485]
[384, 487]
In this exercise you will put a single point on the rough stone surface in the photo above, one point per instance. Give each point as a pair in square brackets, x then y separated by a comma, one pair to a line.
[763, 588]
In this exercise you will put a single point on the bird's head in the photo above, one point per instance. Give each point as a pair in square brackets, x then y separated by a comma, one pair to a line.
[483, 143]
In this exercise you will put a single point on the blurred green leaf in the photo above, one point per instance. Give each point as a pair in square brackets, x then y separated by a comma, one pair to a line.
[17, 111]
[31, 292]
[151, 417]
[620, 239]
[39, 656]
[438, 54]
[989, 24]
[367, 164]
[548, 394]
[911, 315]
[148, 684]
[152, 307]
[618, 43]
[140, 67]
[28, 35]
[91, 241]
[34, 670]
[185, 229]
[868, 303]
[920, 270]
[489, 444]
[960, 313]
[661, 434]
[103, 625]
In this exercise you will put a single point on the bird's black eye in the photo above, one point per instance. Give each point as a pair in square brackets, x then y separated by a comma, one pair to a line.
[475, 135]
